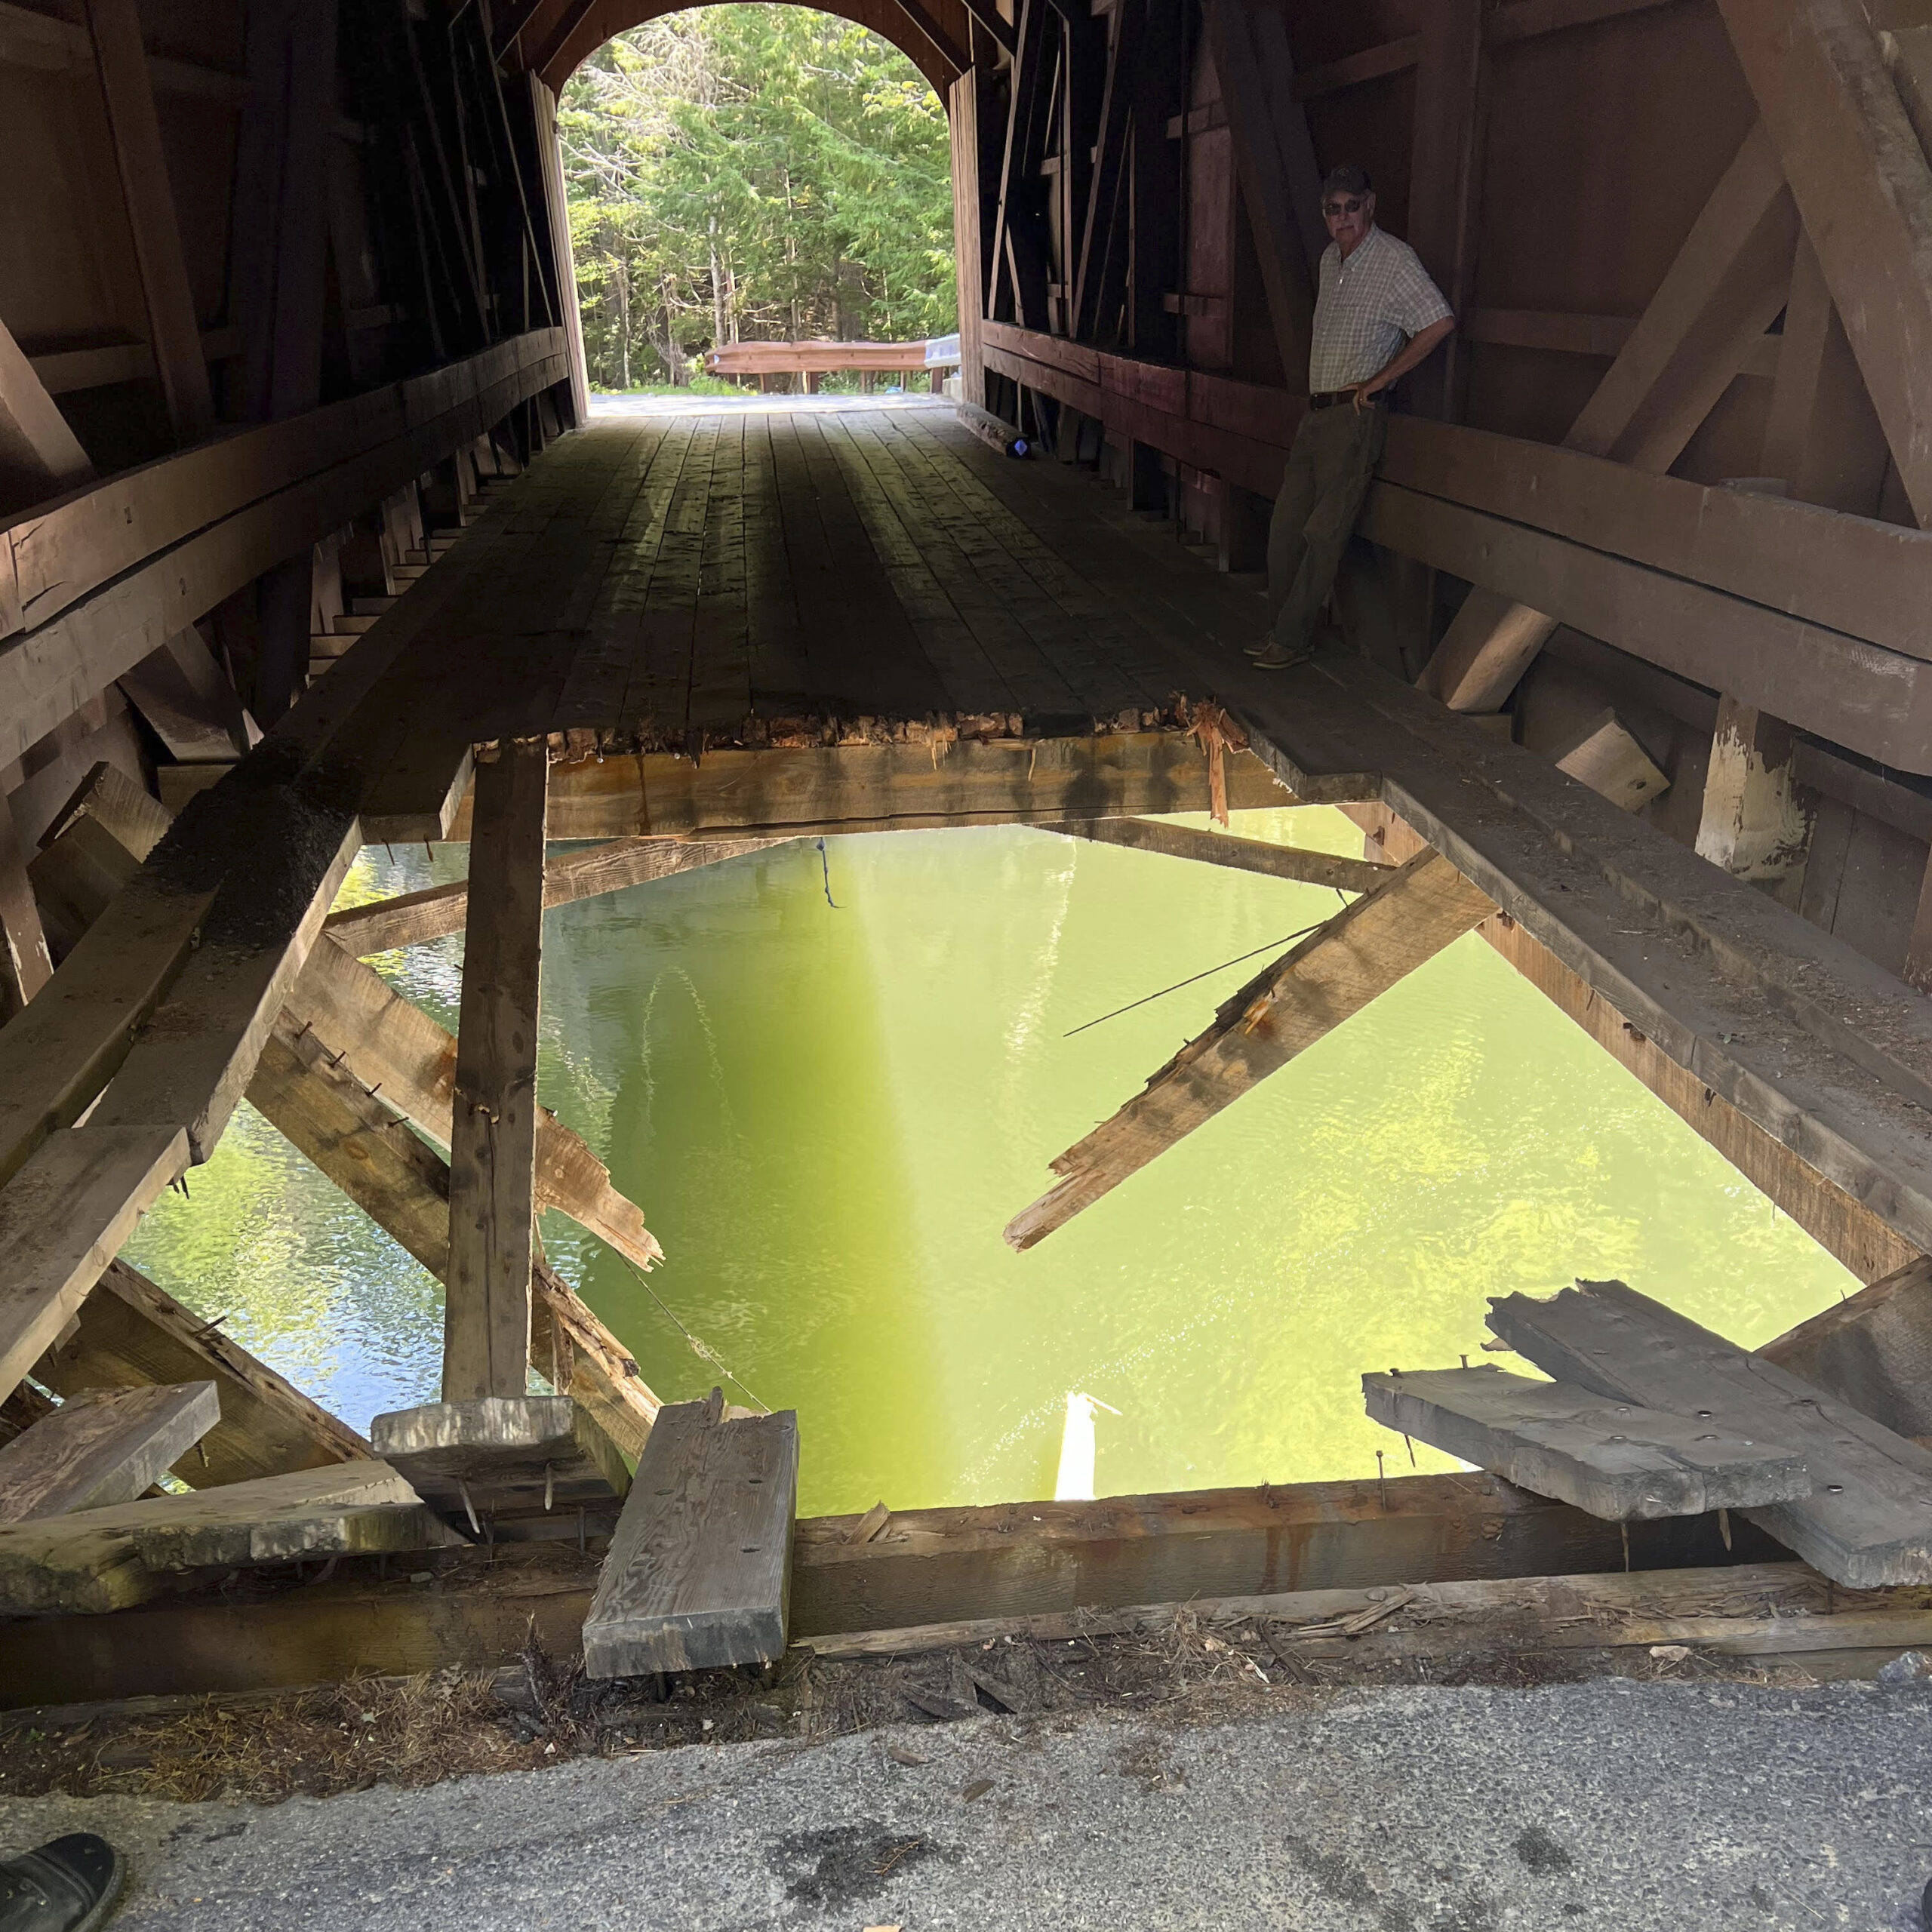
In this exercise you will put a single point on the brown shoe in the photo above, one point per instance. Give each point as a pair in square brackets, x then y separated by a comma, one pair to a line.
[1275, 659]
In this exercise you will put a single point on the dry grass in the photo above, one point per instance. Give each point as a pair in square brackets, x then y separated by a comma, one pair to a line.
[415, 1731]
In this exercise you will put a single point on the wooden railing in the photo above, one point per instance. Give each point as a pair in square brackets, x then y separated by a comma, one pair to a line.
[92, 582]
[1804, 612]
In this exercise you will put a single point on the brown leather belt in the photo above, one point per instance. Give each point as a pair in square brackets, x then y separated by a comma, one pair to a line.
[1332, 398]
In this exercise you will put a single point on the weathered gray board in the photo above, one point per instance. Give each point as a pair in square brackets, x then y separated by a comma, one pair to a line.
[1873, 1350]
[1868, 1521]
[1616, 1460]
[319, 1529]
[88, 1561]
[105, 1447]
[699, 1574]
[500, 1459]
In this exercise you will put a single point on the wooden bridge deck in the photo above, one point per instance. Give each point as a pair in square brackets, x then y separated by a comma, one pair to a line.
[762, 575]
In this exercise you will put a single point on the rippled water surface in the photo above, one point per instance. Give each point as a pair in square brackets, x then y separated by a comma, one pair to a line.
[828, 1102]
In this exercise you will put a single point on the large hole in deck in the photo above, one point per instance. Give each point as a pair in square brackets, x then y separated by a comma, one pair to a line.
[828, 1110]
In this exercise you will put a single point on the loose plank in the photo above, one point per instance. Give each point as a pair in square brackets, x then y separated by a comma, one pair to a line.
[698, 1573]
[106, 1447]
[88, 1563]
[1616, 1460]
[1869, 1519]
[503, 1456]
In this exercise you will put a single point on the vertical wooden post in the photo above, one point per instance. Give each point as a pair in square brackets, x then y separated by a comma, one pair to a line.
[122, 62]
[492, 1138]
[25, 965]
[40, 456]
[563, 265]
[1443, 176]
[1822, 435]
[968, 235]
[1243, 540]
[1755, 822]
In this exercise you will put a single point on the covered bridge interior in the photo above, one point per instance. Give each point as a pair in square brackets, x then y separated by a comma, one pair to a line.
[311, 540]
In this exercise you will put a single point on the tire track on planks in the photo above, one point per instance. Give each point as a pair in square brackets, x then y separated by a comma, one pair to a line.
[1033, 681]
[1129, 667]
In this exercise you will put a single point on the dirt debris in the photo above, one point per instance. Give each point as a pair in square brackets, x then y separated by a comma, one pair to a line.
[418, 1730]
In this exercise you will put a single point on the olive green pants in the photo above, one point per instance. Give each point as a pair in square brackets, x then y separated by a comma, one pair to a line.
[1331, 465]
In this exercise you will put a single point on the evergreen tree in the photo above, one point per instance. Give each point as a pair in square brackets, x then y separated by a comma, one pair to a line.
[757, 173]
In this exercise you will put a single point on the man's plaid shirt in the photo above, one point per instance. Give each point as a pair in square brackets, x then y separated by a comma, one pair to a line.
[1367, 308]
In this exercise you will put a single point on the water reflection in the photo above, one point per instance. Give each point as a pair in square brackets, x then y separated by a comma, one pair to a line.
[828, 1114]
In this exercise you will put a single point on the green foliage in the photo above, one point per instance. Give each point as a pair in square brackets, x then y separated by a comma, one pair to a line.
[753, 172]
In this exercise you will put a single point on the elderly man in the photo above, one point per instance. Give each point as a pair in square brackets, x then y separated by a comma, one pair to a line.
[1376, 316]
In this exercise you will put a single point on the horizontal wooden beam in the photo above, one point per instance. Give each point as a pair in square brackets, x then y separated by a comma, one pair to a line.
[933, 1566]
[806, 791]
[94, 583]
[1390, 56]
[1568, 334]
[1761, 1614]
[1872, 700]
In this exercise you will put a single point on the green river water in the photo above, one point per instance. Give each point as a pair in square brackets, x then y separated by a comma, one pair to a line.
[828, 1110]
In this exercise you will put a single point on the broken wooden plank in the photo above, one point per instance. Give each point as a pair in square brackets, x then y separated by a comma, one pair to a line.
[493, 1138]
[130, 815]
[62, 1219]
[1616, 1460]
[1218, 848]
[107, 1446]
[346, 1528]
[1869, 1520]
[699, 1574]
[88, 1563]
[415, 918]
[1606, 758]
[1873, 1350]
[133, 1334]
[1412, 914]
[498, 1459]
[804, 790]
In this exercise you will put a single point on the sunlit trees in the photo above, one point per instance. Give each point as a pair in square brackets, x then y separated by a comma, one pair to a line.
[756, 171]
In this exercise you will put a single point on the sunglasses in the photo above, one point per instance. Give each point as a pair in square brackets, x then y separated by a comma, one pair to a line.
[1352, 205]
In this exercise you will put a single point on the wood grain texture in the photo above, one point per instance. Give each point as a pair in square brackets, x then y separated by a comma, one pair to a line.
[1412, 914]
[493, 1140]
[318, 1528]
[503, 1456]
[63, 1218]
[1872, 1350]
[88, 1563]
[930, 1566]
[1618, 1460]
[1869, 1520]
[107, 1446]
[698, 1573]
